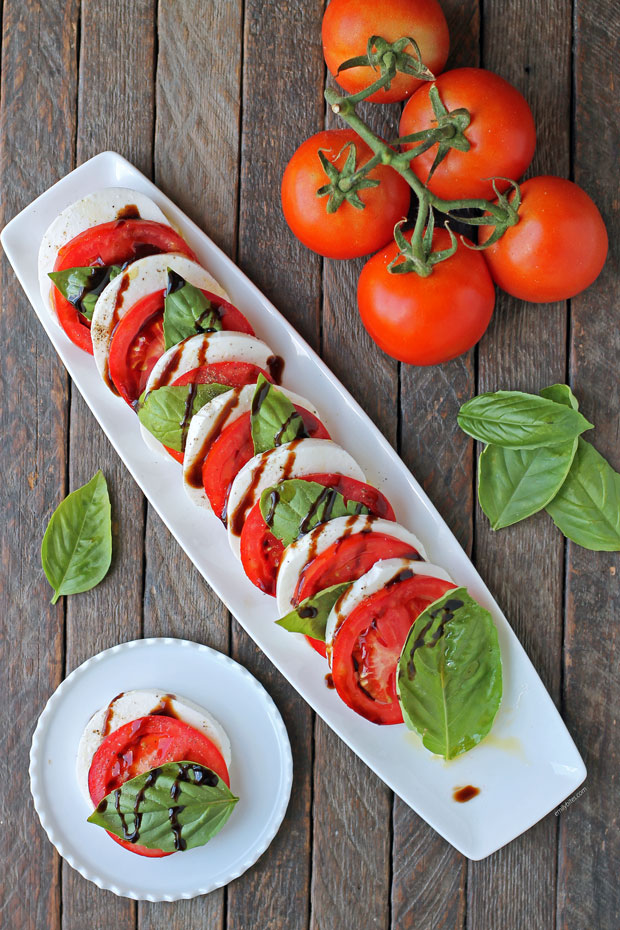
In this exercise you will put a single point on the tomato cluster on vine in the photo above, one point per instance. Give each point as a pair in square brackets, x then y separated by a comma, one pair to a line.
[466, 137]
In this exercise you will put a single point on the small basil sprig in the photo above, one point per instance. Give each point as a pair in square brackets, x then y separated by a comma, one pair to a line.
[82, 286]
[167, 411]
[187, 311]
[76, 550]
[175, 807]
[310, 616]
[449, 679]
[294, 507]
[516, 420]
[273, 418]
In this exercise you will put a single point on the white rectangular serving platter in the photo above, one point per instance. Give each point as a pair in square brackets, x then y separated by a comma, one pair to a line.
[528, 756]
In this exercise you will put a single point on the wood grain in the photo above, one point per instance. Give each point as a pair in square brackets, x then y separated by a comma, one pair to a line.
[37, 132]
[589, 846]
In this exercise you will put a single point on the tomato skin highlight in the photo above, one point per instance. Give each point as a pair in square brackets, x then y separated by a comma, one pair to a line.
[426, 321]
[558, 247]
[502, 134]
[368, 643]
[349, 232]
[348, 24]
[144, 744]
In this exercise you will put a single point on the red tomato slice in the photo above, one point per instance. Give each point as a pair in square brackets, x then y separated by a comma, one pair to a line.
[138, 340]
[261, 551]
[115, 243]
[368, 644]
[230, 452]
[144, 744]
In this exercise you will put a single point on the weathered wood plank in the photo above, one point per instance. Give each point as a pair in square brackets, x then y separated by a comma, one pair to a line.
[525, 348]
[115, 111]
[33, 154]
[589, 849]
[275, 893]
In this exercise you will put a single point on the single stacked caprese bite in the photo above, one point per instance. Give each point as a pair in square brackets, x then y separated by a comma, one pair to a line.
[155, 768]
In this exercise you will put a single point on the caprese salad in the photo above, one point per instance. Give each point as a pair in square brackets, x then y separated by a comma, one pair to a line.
[300, 516]
[154, 767]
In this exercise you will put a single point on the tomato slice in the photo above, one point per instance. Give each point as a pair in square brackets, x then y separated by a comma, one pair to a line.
[144, 744]
[261, 551]
[115, 243]
[232, 449]
[368, 644]
[138, 341]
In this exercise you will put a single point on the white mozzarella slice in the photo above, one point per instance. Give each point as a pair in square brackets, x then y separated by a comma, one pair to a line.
[134, 704]
[292, 460]
[308, 547]
[141, 278]
[203, 349]
[380, 575]
[206, 426]
[102, 206]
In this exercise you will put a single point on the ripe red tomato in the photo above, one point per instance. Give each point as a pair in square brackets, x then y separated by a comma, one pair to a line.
[144, 744]
[368, 644]
[425, 321]
[501, 134]
[350, 231]
[348, 24]
[557, 248]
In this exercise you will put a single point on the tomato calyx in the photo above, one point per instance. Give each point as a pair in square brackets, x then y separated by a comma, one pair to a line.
[506, 206]
[450, 132]
[388, 58]
[416, 251]
[344, 184]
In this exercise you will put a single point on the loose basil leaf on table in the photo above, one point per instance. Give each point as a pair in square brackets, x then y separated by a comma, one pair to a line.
[560, 394]
[178, 806]
[273, 418]
[187, 311]
[587, 506]
[76, 550]
[520, 421]
[166, 412]
[82, 286]
[449, 677]
[294, 507]
[310, 616]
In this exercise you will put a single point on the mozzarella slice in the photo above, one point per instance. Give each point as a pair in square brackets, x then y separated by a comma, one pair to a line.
[292, 460]
[141, 278]
[206, 426]
[380, 575]
[134, 704]
[308, 547]
[101, 206]
[203, 349]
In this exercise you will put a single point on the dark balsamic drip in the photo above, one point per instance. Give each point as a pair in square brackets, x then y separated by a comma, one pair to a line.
[301, 429]
[259, 398]
[199, 324]
[329, 680]
[290, 459]
[202, 352]
[307, 613]
[447, 612]
[275, 364]
[237, 518]
[194, 473]
[175, 282]
[404, 575]
[102, 806]
[169, 369]
[188, 412]
[118, 303]
[202, 776]
[129, 212]
[165, 708]
[327, 497]
[274, 499]
[175, 826]
[465, 794]
[133, 835]
[109, 715]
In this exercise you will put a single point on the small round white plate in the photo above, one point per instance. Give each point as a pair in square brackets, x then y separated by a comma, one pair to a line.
[261, 771]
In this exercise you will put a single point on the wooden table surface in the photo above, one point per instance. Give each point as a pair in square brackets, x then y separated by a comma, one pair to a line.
[210, 99]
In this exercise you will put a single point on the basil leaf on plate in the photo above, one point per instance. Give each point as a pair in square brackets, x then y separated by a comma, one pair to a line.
[449, 678]
[294, 507]
[310, 616]
[82, 286]
[273, 419]
[587, 506]
[178, 806]
[187, 311]
[167, 411]
[76, 550]
[520, 421]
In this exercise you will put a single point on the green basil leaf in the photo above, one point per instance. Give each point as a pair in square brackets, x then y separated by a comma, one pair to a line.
[560, 394]
[77, 545]
[82, 286]
[274, 419]
[167, 411]
[587, 506]
[450, 674]
[187, 311]
[178, 806]
[310, 617]
[520, 421]
[294, 507]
